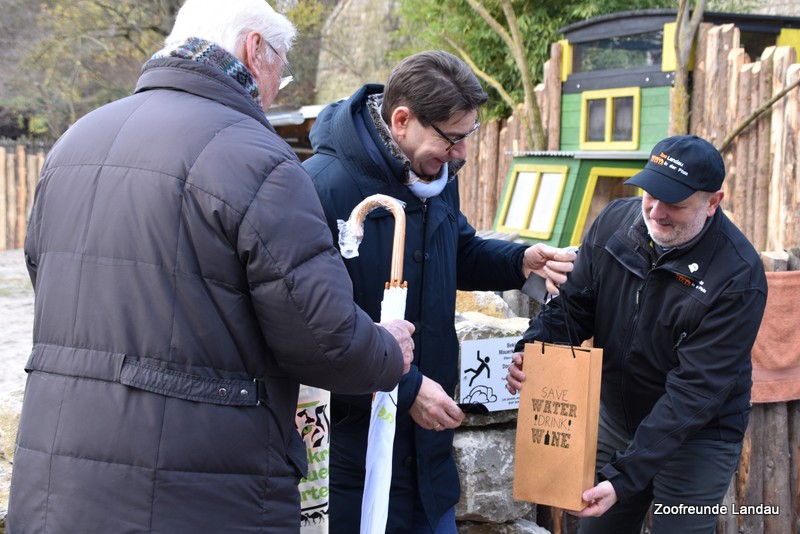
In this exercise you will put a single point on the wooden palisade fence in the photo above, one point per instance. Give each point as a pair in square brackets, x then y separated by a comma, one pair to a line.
[19, 172]
[763, 172]
[762, 163]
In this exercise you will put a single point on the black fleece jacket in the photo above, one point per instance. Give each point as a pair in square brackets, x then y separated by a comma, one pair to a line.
[676, 333]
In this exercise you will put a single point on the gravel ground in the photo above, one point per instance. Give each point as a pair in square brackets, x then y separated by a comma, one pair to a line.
[16, 320]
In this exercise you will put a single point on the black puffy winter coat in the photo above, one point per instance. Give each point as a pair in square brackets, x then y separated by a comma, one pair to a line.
[186, 282]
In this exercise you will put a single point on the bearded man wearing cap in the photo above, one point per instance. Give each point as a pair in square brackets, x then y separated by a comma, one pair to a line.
[674, 293]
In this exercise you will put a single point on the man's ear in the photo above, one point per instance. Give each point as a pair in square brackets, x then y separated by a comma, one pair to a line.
[713, 202]
[401, 117]
[251, 51]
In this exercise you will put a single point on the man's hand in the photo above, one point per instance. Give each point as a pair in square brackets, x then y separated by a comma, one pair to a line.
[515, 375]
[434, 409]
[402, 331]
[550, 263]
[600, 499]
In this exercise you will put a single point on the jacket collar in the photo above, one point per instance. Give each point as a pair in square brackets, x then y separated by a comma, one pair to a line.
[343, 129]
[632, 246]
[693, 260]
[371, 163]
[213, 55]
[201, 80]
[383, 134]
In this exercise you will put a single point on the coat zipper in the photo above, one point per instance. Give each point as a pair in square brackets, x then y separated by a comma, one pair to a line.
[629, 339]
[627, 347]
[419, 343]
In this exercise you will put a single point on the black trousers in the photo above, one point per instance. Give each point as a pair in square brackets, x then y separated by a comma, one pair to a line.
[692, 481]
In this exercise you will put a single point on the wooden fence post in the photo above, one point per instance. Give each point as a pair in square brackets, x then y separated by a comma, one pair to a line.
[34, 167]
[750, 488]
[742, 207]
[699, 75]
[790, 178]
[763, 154]
[553, 92]
[21, 182]
[734, 176]
[11, 203]
[776, 474]
[728, 41]
[3, 181]
[487, 177]
[776, 230]
[793, 409]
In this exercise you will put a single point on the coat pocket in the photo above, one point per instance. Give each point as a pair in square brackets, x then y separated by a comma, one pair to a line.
[297, 455]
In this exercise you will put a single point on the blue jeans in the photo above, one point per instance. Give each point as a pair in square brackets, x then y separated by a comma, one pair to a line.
[698, 474]
[446, 525]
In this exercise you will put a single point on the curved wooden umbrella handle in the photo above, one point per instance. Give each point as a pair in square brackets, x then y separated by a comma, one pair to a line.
[372, 202]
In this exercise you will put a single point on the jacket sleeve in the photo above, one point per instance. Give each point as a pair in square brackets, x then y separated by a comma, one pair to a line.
[569, 317]
[487, 264]
[303, 296]
[711, 361]
[31, 245]
[31, 252]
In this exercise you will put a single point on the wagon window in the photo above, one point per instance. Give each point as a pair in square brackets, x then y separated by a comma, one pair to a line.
[622, 125]
[610, 119]
[622, 52]
[532, 200]
[604, 184]
[596, 117]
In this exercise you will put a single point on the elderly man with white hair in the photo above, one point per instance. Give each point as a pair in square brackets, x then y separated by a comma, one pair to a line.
[186, 283]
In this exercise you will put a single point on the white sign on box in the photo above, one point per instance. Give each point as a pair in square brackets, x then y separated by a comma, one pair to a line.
[484, 366]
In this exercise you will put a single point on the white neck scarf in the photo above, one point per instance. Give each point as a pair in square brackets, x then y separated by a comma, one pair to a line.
[425, 190]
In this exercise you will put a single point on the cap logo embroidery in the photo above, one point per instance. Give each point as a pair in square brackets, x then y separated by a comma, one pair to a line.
[665, 160]
[679, 166]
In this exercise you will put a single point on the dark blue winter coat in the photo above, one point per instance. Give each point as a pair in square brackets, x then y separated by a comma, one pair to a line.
[442, 254]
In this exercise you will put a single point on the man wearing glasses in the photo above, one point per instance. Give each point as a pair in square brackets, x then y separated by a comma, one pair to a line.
[406, 140]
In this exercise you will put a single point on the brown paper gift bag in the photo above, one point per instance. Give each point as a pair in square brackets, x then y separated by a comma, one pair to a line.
[559, 408]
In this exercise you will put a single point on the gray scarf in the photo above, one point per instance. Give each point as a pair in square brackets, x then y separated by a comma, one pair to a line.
[213, 55]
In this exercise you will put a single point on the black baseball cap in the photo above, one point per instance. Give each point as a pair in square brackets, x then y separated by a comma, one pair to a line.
[678, 167]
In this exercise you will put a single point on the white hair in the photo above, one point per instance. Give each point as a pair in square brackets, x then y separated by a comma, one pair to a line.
[227, 23]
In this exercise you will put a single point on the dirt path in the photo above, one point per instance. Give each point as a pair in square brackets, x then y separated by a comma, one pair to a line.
[16, 320]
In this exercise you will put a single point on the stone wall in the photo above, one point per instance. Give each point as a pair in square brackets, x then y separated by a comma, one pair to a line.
[484, 445]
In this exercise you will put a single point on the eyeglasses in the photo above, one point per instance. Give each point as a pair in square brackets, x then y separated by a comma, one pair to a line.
[453, 142]
[286, 74]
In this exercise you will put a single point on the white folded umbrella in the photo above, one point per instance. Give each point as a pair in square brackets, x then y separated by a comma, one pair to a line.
[375, 502]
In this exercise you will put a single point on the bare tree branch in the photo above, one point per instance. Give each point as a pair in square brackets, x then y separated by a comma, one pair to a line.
[726, 143]
[496, 85]
[515, 43]
[535, 129]
[493, 24]
[685, 32]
